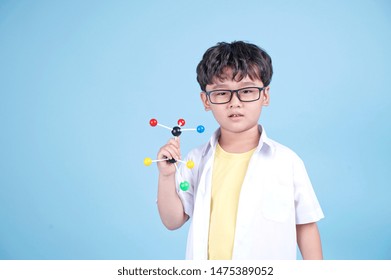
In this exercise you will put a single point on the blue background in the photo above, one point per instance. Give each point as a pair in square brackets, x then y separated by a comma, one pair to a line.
[79, 81]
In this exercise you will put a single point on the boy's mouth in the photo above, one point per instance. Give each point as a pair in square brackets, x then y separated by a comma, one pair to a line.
[235, 115]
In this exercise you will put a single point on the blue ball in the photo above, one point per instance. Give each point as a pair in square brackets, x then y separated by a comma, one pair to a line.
[200, 128]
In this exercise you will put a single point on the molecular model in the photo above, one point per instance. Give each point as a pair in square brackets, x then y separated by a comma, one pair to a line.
[176, 131]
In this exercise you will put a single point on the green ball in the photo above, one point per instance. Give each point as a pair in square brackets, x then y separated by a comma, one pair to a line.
[184, 186]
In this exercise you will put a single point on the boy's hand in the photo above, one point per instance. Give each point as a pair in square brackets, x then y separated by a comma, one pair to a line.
[169, 151]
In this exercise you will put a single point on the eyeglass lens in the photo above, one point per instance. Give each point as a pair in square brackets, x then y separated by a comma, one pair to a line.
[224, 96]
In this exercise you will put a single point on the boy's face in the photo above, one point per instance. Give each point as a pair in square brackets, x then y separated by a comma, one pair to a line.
[236, 116]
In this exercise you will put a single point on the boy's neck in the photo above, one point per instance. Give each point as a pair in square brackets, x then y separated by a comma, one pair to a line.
[239, 142]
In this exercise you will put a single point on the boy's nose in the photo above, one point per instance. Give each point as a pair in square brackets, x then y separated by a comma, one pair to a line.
[235, 100]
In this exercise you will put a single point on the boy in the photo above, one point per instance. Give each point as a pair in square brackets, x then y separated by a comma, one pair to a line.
[250, 197]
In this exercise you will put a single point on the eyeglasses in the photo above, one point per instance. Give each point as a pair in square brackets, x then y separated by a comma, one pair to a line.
[247, 94]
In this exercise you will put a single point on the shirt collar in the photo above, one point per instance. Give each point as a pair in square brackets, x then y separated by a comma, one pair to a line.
[265, 144]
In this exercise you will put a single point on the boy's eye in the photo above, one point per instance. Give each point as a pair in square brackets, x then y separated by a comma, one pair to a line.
[247, 91]
[220, 93]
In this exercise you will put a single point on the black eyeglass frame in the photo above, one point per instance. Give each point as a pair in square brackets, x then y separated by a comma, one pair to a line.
[232, 93]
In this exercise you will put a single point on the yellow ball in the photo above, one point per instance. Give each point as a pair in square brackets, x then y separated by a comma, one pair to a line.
[147, 161]
[190, 164]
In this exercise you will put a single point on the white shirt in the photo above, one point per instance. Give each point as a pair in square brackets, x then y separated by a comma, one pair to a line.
[276, 195]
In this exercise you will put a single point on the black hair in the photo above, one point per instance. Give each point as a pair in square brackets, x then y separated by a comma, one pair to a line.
[244, 59]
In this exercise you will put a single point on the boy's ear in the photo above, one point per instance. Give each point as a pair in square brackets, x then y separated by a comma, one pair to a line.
[205, 101]
[266, 96]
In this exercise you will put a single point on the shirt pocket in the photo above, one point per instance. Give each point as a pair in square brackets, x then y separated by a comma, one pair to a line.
[277, 201]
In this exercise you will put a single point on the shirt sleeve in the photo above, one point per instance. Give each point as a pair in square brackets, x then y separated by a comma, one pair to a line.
[307, 206]
[187, 197]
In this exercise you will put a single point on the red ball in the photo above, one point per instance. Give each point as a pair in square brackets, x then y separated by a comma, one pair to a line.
[153, 122]
[181, 122]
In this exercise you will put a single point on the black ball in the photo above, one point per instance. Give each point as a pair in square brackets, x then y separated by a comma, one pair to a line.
[176, 131]
[171, 160]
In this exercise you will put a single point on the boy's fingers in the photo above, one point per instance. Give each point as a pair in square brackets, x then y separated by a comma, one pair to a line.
[173, 145]
[175, 142]
[169, 151]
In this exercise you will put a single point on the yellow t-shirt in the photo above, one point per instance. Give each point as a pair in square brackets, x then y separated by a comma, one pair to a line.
[229, 171]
